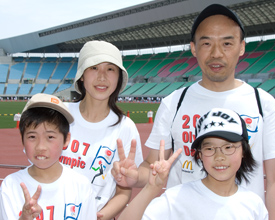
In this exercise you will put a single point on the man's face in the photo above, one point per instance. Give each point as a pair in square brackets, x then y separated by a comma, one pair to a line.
[217, 46]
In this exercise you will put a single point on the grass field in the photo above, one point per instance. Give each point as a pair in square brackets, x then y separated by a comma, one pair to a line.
[137, 111]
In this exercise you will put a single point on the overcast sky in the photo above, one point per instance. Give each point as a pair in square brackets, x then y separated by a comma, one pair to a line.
[25, 16]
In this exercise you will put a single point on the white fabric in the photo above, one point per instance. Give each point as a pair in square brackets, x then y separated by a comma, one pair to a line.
[198, 101]
[93, 150]
[194, 201]
[71, 192]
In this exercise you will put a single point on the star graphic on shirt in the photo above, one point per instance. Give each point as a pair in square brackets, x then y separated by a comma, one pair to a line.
[205, 127]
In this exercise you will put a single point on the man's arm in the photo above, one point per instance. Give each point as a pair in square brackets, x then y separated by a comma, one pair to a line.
[270, 187]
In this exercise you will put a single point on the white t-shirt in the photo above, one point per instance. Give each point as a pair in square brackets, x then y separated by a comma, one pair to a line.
[199, 101]
[69, 197]
[194, 201]
[93, 150]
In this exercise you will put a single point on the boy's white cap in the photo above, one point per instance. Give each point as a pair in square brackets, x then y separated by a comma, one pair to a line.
[96, 52]
[222, 123]
[49, 101]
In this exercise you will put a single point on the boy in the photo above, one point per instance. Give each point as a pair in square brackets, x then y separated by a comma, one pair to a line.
[222, 149]
[58, 193]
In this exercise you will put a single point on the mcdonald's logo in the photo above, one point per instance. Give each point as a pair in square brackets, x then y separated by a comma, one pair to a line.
[187, 166]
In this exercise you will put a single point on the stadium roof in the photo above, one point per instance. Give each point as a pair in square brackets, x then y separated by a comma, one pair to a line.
[154, 24]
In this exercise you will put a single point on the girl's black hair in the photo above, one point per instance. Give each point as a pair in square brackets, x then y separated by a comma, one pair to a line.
[247, 167]
[35, 116]
[112, 99]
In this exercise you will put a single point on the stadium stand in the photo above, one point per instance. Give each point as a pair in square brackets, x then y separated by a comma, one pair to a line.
[61, 70]
[12, 89]
[3, 72]
[38, 88]
[16, 71]
[46, 71]
[24, 89]
[169, 89]
[150, 75]
[145, 88]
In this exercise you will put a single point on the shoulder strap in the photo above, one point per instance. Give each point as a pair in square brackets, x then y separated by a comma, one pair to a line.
[259, 102]
[178, 106]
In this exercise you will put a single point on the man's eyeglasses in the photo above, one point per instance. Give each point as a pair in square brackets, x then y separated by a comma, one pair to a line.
[227, 149]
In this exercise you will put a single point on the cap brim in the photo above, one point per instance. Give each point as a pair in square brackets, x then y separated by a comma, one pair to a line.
[58, 108]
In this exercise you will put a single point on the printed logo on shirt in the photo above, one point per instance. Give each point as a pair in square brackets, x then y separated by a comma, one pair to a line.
[72, 211]
[187, 166]
[102, 161]
[251, 123]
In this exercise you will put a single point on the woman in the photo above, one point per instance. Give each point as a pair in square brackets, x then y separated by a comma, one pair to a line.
[99, 123]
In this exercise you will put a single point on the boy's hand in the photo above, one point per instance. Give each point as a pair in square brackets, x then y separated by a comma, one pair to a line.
[125, 171]
[160, 169]
[31, 209]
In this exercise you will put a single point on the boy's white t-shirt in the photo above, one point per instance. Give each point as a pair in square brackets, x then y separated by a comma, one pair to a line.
[194, 201]
[93, 150]
[69, 197]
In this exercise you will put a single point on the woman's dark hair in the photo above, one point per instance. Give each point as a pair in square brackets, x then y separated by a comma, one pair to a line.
[248, 164]
[112, 100]
[36, 116]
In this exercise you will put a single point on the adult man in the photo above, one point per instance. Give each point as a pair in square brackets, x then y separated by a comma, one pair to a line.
[217, 43]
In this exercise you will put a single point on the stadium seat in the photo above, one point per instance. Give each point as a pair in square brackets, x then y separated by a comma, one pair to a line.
[24, 89]
[4, 68]
[132, 89]
[260, 64]
[147, 67]
[50, 88]
[16, 71]
[159, 68]
[2, 88]
[46, 70]
[157, 89]
[31, 70]
[12, 89]
[38, 88]
[135, 67]
[268, 85]
[63, 87]
[172, 87]
[145, 88]
[266, 45]
[61, 70]
[247, 62]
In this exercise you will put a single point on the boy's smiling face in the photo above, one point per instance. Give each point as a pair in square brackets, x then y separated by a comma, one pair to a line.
[43, 145]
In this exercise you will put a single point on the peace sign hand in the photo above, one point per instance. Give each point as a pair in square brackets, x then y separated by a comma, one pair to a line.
[160, 169]
[125, 171]
[30, 209]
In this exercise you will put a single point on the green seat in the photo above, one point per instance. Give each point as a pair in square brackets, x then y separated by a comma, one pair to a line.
[145, 88]
[260, 64]
[132, 89]
[268, 85]
[156, 89]
[172, 87]
[135, 67]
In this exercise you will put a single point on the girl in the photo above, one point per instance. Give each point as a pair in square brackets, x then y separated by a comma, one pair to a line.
[223, 151]
[99, 123]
